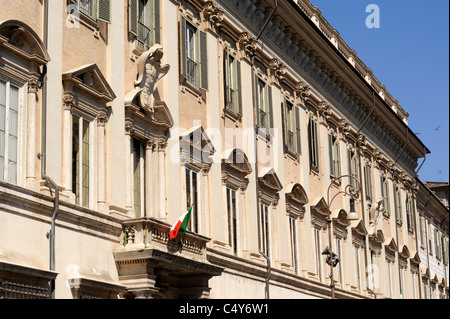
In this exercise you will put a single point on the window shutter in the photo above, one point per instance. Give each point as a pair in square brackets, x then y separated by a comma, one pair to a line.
[297, 130]
[104, 10]
[255, 98]
[239, 86]
[133, 17]
[203, 61]
[332, 155]
[157, 21]
[285, 126]
[226, 77]
[183, 56]
[270, 109]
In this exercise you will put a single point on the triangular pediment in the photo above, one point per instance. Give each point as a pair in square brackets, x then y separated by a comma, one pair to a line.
[360, 229]
[91, 81]
[392, 245]
[377, 237]
[269, 178]
[320, 207]
[416, 259]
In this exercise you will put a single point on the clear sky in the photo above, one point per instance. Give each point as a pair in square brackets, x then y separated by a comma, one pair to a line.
[409, 54]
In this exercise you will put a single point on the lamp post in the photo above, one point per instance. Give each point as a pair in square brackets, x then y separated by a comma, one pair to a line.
[349, 190]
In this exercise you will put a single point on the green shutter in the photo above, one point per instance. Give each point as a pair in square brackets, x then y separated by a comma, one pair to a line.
[332, 155]
[157, 21]
[104, 10]
[226, 77]
[255, 97]
[183, 56]
[133, 17]
[239, 86]
[270, 109]
[297, 130]
[203, 61]
[285, 119]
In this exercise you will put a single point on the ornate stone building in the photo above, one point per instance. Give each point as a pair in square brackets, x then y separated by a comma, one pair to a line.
[116, 119]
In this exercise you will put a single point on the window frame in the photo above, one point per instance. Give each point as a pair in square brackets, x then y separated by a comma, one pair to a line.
[313, 142]
[264, 228]
[233, 218]
[335, 156]
[6, 169]
[192, 198]
[141, 165]
[232, 83]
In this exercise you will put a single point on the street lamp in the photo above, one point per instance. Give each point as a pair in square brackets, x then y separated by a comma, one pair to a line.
[349, 190]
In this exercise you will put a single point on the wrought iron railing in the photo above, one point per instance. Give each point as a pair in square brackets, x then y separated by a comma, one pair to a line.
[191, 68]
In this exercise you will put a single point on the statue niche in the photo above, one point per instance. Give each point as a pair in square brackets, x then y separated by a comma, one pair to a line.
[149, 73]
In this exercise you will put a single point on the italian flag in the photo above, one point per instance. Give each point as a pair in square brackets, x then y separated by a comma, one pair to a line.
[181, 224]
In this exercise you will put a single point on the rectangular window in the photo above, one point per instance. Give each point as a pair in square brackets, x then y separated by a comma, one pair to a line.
[9, 131]
[409, 203]
[398, 205]
[313, 144]
[353, 168]
[335, 160]
[232, 83]
[340, 265]
[95, 9]
[192, 188]
[138, 158]
[293, 236]
[358, 269]
[385, 195]
[263, 229]
[193, 55]
[292, 127]
[368, 180]
[232, 218]
[263, 101]
[318, 253]
[81, 151]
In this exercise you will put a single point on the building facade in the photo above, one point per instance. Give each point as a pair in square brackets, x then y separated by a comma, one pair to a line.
[116, 119]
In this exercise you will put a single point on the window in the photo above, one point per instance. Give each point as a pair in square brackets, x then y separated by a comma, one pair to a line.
[335, 161]
[445, 249]
[318, 253]
[193, 55]
[437, 243]
[358, 269]
[144, 22]
[429, 234]
[81, 160]
[385, 195]
[232, 83]
[313, 144]
[368, 180]
[409, 203]
[353, 168]
[263, 229]
[292, 127]
[293, 237]
[192, 188]
[340, 265]
[232, 218]
[264, 106]
[422, 231]
[9, 131]
[138, 160]
[95, 9]
[398, 205]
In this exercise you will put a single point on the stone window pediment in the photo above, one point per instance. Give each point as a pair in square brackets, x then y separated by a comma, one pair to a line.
[269, 185]
[89, 81]
[197, 148]
[235, 168]
[296, 199]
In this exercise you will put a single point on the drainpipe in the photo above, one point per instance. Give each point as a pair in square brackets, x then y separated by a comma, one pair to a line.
[42, 157]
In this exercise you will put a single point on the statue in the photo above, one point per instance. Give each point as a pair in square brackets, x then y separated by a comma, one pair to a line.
[149, 72]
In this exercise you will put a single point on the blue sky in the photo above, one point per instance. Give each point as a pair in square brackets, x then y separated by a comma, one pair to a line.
[409, 54]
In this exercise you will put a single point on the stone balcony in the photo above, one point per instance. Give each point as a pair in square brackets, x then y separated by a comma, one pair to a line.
[151, 265]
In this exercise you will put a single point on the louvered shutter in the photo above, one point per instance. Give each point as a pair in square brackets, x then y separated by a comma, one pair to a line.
[270, 110]
[239, 87]
[226, 77]
[157, 21]
[297, 130]
[104, 10]
[133, 17]
[203, 61]
[285, 119]
[332, 155]
[183, 57]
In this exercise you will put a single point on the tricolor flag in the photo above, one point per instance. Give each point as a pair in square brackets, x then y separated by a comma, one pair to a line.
[181, 224]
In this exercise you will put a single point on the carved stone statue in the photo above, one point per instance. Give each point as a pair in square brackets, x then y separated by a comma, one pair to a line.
[149, 72]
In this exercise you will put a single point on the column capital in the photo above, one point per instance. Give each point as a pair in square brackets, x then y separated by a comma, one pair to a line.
[34, 85]
[69, 102]
[102, 119]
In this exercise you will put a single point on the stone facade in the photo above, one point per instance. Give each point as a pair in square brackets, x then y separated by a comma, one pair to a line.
[118, 118]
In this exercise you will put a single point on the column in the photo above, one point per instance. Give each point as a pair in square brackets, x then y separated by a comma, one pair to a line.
[128, 190]
[149, 186]
[69, 103]
[33, 87]
[162, 179]
[101, 172]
